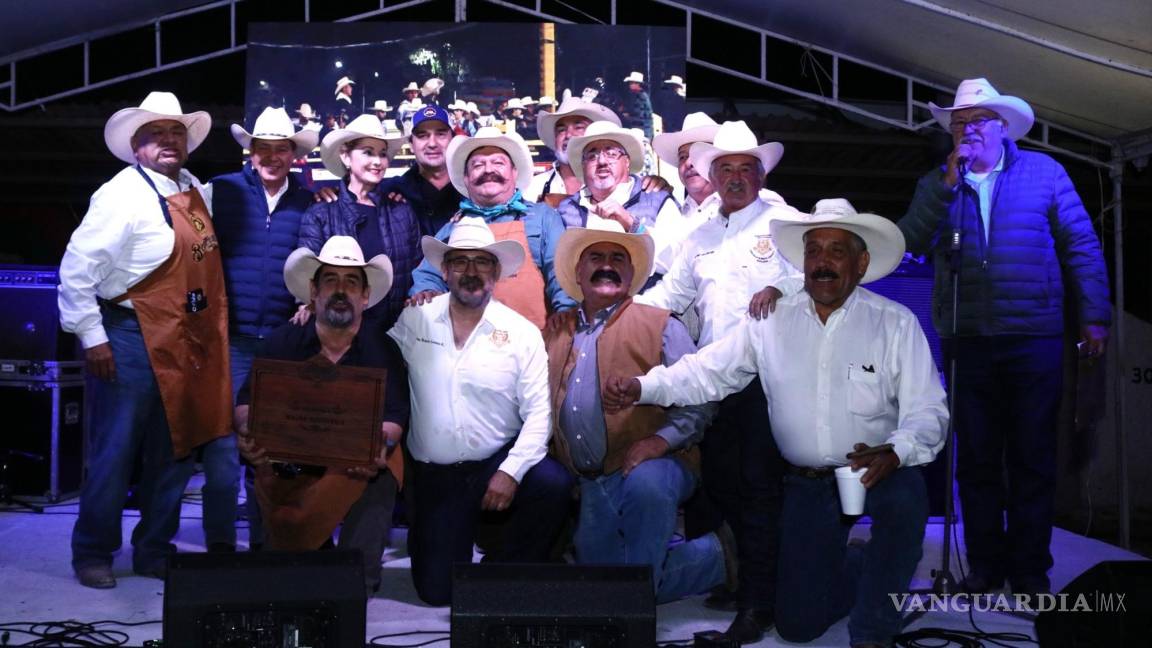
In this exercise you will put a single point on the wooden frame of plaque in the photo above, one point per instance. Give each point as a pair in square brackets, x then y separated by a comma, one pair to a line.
[317, 413]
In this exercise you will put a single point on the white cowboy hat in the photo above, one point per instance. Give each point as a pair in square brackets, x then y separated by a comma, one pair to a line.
[514, 102]
[305, 111]
[675, 79]
[698, 127]
[381, 105]
[546, 101]
[342, 251]
[457, 105]
[411, 87]
[431, 86]
[528, 100]
[124, 123]
[461, 147]
[884, 240]
[472, 233]
[275, 124]
[344, 81]
[635, 77]
[362, 126]
[473, 108]
[978, 93]
[575, 240]
[546, 122]
[734, 138]
[603, 130]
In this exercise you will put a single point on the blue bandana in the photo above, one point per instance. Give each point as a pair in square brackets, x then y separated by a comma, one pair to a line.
[515, 204]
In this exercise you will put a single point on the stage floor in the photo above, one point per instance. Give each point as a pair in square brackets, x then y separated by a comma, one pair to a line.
[36, 584]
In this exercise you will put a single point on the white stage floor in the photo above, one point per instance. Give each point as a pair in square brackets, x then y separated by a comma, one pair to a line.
[37, 584]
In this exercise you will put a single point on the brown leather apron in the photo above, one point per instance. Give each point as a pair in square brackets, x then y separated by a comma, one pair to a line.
[523, 292]
[183, 314]
[301, 512]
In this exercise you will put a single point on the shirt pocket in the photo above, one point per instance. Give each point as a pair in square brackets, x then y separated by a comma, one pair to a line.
[865, 394]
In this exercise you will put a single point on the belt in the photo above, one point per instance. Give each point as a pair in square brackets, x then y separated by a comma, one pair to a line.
[115, 307]
[590, 474]
[812, 473]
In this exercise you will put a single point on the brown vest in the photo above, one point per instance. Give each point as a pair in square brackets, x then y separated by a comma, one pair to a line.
[630, 345]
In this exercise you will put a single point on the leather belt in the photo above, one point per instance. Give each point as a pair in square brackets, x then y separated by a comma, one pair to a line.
[812, 473]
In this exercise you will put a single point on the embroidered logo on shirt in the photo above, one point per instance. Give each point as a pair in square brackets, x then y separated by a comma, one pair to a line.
[763, 250]
[499, 338]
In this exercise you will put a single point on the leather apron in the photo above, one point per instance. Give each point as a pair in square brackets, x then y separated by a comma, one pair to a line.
[183, 314]
[301, 512]
[523, 292]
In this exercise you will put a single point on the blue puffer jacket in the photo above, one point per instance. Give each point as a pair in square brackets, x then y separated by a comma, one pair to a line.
[398, 231]
[1014, 283]
[254, 245]
[643, 205]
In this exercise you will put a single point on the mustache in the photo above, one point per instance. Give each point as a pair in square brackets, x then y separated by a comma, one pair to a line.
[610, 275]
[471, 282]
[736, 186]
[824, 274]
[491, 176]
[338, 299]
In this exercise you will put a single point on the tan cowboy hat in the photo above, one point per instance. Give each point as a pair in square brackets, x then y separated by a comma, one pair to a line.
[275, 124]
[341, 251]
[635, 77]
[411, 87]
[698, 127]
[461, 147]
[575, 240]
[546, 122]
[431, 86]
[363, 126]
[122, 125]
[883, 238]
[734, 138]
[381, 105]
[344, 81]
[603, 130]
[675, 79]
[978, 93]
[472, 233]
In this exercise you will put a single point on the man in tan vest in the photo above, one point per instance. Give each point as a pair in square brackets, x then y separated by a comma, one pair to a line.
[636, 466]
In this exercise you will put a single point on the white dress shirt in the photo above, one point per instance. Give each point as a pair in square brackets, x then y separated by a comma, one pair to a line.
[545, 182]
[121, 240]
[468, 403]
[722, 263]
[667, 232]
[865, 376]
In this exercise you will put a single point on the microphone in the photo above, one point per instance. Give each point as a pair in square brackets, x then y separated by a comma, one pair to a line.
[963, 151]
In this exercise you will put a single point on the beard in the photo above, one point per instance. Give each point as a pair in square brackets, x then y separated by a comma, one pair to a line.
[338, 318]
[561, 156]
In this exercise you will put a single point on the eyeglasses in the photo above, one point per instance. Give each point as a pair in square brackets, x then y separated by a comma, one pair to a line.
[611, 154]
[959, 126]
[483, 264]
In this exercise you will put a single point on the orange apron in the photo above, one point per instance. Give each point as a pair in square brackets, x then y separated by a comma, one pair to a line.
[300, 513]
[183, 314]
[523, 292]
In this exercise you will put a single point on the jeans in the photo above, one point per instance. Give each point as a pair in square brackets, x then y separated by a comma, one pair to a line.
[242, 350]
[824, 579]
[127, 421]
[368, 523]
[1008, 390]
[631, 519]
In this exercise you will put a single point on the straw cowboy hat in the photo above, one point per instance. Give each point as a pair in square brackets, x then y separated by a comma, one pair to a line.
[362, 126]
[275, 124]
[698, 127]
[431, 86]
[978, 93]
[575, 240]
[411, 87]
[675, 79]
[546, 122]
[341, 251]
[883, 238]
[124, 123]
[603, 130]
[472, 233]
[734, 138]
[342, 83]
[635, 77]
[381, 105]
[461, 147]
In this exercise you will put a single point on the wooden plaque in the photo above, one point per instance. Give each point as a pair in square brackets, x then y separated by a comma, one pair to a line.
[317, 413]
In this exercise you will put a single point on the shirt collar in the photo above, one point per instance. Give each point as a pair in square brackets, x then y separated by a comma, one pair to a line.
[844, 310]
[620, 194]
[168, 186]
[598, 319]
[749, 211]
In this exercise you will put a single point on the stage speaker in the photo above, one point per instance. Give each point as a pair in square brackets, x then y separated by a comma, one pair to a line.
[30, 319]
[911, 285]
[43, 442]
[496, 605]
[267, 599]
[1108, 606]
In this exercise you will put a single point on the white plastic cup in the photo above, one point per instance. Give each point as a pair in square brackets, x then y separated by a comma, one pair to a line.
[852, 492]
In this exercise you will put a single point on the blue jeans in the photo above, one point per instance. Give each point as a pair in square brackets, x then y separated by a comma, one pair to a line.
[631, 519]
[127, 421]
[821, 579]
[1008, 390]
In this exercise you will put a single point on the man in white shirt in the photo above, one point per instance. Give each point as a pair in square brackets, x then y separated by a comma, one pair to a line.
[141, 286]
[700, 200]
[481, 418]
[727, 269]
[844, 371]
[556, 130]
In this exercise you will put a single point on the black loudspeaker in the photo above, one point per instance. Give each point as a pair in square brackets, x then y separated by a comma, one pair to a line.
[267, 599]
[30, 319]
[498, 605]
[43, 442]
[911, 284]
[1108, 606]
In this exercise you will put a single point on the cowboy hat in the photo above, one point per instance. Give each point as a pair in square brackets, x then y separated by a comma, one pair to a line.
[546, 101]
[698, 127]
[275, 124]
[362, 126]
[546, 122]
[461, 147]
[381, 105]
[635, 77]
[341, 251]
[514, 102]
[978, 93]
[431, 86]
[603, 130]
[734, 138]
[473, 108]
[528, 100]
[411, 87]
[344, 81]
[675, 79]
[575, 240]
[124, 123]
[884, 240]
[472, 233]
[305, 111]
[458, 105]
